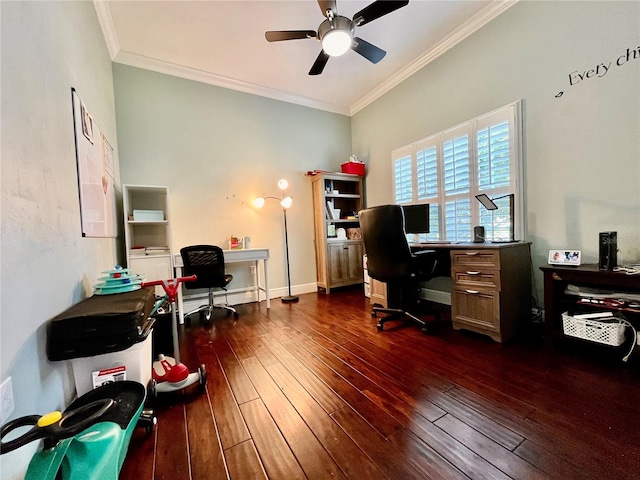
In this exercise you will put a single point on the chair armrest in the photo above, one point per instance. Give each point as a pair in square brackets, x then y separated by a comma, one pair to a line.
[420, 253]
[426, 262]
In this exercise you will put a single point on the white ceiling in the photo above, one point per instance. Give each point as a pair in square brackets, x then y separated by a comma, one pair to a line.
[222, 43]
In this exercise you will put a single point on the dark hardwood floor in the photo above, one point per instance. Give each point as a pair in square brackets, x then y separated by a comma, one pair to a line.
[313, 390]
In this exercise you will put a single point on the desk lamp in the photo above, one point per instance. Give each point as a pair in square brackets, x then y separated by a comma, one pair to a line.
[285, 202]
[489, 204]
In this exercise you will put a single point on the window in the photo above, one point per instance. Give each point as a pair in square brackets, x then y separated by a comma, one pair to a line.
[449, 169]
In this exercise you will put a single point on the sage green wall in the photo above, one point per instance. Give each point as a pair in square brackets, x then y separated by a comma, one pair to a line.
[46, 264]
[582, 149]
[218, 149]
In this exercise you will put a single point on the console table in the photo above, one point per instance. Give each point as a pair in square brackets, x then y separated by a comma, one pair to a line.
[254, 255]
[556, 279]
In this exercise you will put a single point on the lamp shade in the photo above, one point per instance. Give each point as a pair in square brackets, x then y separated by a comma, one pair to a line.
[259, 202]
[286, 202]
[336, 42]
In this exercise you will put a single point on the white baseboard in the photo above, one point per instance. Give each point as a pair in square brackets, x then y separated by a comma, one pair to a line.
[240, 296]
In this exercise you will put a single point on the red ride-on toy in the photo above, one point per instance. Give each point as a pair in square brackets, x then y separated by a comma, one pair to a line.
[169, 374]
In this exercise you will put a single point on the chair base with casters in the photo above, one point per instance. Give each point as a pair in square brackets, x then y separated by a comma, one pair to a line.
[400, 298]
[205, 311]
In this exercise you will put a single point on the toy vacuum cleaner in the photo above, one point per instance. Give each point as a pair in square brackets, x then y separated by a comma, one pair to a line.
[89, 440]
[169, 374]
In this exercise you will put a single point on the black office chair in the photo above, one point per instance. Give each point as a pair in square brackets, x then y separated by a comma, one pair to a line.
[206, 262]
[389, 260]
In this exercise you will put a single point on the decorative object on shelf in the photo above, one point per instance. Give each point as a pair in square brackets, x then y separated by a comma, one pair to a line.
[354, 166]
[285, 202]
[148, 215]
[565, 257]
[235, 243]
[354, 233]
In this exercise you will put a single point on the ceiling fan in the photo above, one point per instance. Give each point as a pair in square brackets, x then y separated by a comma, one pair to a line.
[336, 33]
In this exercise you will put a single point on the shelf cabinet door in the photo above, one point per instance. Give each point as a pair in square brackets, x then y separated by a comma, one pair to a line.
[345, 263]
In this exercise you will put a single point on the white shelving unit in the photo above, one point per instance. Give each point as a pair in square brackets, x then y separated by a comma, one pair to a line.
[147, 232]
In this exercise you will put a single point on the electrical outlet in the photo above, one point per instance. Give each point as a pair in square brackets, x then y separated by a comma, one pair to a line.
[253, 269]
[6, 399]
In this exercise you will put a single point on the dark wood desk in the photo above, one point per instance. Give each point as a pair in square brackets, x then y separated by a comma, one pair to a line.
[556, 279]
[491, 286]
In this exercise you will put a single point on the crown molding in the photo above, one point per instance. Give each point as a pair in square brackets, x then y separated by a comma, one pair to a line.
[466, 29]
[108, 29]
[127, 58]
[155, 65]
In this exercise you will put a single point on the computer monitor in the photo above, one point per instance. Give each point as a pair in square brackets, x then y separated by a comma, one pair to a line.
[416, 218]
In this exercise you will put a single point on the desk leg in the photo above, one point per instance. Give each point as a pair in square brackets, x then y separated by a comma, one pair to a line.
[180, 303]
[256, 279]
[266, 282]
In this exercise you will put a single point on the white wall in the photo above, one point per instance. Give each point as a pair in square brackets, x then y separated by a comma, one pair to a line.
[47, 48]
[582, 150]
[218, 149]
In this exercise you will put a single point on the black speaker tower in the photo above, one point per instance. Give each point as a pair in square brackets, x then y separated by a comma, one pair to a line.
[608, 250]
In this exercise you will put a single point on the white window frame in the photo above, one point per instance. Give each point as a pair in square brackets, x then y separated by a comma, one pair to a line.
[513, 114]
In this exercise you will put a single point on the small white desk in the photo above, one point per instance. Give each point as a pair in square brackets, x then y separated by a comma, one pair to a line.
[254, 255]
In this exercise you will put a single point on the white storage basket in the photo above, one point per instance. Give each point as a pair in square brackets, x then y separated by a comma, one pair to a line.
[609, 332]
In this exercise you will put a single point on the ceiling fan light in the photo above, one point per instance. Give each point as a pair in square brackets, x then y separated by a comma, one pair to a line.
[336, 42]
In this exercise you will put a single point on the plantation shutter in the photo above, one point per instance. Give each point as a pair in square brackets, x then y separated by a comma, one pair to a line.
[457, 184]
[403, 176]
[449, 169]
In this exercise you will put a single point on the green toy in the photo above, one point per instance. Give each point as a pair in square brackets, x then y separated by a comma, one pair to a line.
[89, 441]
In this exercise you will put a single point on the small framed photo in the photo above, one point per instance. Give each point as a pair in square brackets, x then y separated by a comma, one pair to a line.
[87, 122]
[565, 257]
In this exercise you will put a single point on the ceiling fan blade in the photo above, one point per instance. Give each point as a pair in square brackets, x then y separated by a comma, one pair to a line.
[328, 5]
[278, 36]
[377, 9]
[367, 50]
[319, 64]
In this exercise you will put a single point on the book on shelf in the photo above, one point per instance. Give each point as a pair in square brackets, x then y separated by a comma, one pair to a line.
[330, 211]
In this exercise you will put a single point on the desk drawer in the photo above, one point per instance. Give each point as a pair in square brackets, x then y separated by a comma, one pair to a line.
[476, 310]
[475, 258]
[469, 277]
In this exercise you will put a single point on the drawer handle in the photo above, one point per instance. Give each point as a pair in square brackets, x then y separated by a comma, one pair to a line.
[472, 253]
[474, 292]
[473, 273]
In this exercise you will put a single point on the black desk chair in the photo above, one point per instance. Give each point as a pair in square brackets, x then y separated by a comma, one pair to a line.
[206, 262]
[389, 260]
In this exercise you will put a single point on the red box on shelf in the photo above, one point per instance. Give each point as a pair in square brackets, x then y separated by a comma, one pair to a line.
[354, 168]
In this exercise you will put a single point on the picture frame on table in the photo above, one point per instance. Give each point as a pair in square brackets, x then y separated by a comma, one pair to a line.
[565, 257]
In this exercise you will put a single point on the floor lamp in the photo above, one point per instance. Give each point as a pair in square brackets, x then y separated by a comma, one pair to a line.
[285, 202]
